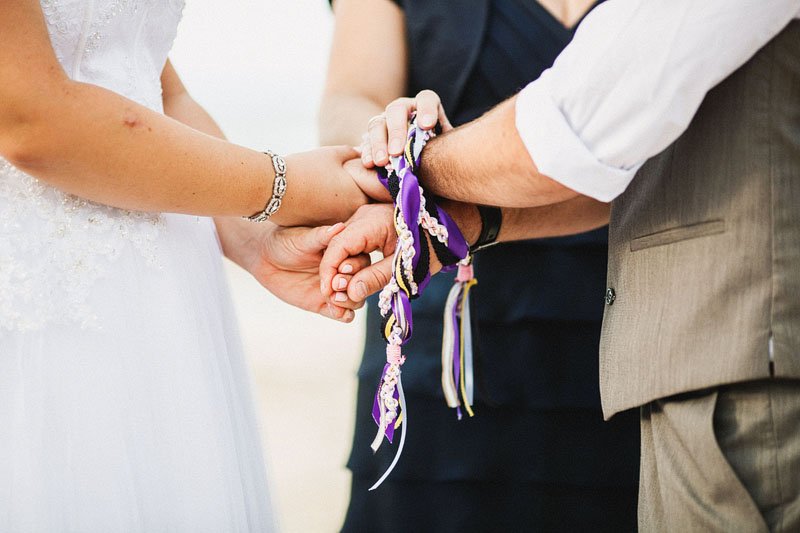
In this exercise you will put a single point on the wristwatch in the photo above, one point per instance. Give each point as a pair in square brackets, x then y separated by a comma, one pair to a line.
[491, 221]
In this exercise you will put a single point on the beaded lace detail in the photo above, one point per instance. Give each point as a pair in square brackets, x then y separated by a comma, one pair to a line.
[46, 276]
[54, 247]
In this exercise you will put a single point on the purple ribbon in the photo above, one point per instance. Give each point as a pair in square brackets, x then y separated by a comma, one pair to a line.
[409, 196]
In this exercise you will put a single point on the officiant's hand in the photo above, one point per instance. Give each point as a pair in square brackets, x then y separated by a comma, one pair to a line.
[387, 132]
[286, 261]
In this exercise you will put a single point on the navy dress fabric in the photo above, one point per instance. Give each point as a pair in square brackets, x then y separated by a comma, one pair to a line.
[537, 456]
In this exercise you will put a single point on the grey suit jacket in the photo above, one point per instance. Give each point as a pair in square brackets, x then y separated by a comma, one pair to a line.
[704, 246]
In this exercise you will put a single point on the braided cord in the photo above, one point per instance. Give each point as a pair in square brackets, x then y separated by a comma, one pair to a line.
[418, 222]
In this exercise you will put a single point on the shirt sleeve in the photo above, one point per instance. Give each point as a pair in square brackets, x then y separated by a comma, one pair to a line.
[630, 82]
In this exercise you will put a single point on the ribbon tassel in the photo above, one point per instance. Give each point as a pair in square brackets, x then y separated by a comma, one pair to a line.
[457, 360]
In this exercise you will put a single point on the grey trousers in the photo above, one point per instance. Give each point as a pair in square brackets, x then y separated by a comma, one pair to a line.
[726, 459]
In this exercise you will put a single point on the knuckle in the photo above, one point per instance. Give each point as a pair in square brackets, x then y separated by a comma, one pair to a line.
[397, 132]
[379, 277]
[376, 133]
[395, 107]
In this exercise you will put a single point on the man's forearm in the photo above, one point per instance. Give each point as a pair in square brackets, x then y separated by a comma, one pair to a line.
[576, 215]
[371, 229]
[485, 162]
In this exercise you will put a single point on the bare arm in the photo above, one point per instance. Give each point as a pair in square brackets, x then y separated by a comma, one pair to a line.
[486, 162]
[283, 260]
[99, 145]
[239, 238]
[367, 68]
[180, 105]
[483, 162]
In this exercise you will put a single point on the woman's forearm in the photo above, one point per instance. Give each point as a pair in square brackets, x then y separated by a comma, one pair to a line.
[343, 117]
[367, 68]
[239, 238]
[98, 145]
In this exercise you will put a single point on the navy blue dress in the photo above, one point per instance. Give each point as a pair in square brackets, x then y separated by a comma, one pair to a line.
[537, 456]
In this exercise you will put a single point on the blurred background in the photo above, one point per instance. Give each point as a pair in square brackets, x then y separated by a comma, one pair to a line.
[258, 67]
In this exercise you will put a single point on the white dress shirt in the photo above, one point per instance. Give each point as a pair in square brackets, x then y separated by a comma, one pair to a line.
[631, 80]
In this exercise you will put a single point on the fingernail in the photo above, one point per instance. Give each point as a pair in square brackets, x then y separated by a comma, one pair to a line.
[347, 268]
[396, 146]
[379, 156]
[428, 120]
[335, 226]
[340, 297]
[341, 283]
[361, 290]
[365, 158]
[348, 316]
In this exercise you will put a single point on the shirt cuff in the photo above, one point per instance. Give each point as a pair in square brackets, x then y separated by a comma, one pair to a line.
[557, 150]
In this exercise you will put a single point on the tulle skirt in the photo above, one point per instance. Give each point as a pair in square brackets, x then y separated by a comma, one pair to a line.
[125, 403]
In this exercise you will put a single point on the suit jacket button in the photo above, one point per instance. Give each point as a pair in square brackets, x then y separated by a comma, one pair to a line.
[611, 295]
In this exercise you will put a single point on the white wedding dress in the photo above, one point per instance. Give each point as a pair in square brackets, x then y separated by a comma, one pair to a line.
[124, 399]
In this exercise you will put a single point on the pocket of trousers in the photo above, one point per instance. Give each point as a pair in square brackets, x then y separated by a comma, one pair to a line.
[678, 234]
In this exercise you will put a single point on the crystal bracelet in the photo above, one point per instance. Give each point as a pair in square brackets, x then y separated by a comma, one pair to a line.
[278, 189]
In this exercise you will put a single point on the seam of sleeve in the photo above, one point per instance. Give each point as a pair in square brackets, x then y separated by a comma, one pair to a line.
[558, 151]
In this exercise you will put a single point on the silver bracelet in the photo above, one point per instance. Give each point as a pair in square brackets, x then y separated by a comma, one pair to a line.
[278, 189]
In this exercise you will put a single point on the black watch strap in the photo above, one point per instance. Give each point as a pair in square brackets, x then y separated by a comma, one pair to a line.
[491, 221]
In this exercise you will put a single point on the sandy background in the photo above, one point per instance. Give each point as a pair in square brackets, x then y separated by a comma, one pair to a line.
[258, 67]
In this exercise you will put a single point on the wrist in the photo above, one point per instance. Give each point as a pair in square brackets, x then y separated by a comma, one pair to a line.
[242, 241]
[466, 217]
[276, 192]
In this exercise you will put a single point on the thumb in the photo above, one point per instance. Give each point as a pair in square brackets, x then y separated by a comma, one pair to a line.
[317, 239]
[370, 280]
[346, 153]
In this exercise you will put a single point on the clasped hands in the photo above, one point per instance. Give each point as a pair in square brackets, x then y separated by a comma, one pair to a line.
[327, 269]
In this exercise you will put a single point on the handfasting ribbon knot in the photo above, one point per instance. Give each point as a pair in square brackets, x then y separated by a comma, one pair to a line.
[418, 222]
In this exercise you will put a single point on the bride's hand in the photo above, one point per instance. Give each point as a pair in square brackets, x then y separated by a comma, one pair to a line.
[286, 261]
[319, 188]
[367, 181]
[288, 266]
[387, 132]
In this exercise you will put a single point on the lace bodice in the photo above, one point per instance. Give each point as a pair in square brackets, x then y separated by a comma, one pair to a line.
[121, 45]
[53, 246]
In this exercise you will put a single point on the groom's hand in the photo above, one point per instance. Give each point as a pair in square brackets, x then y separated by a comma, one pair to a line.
[370, 229]
[288, 263]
